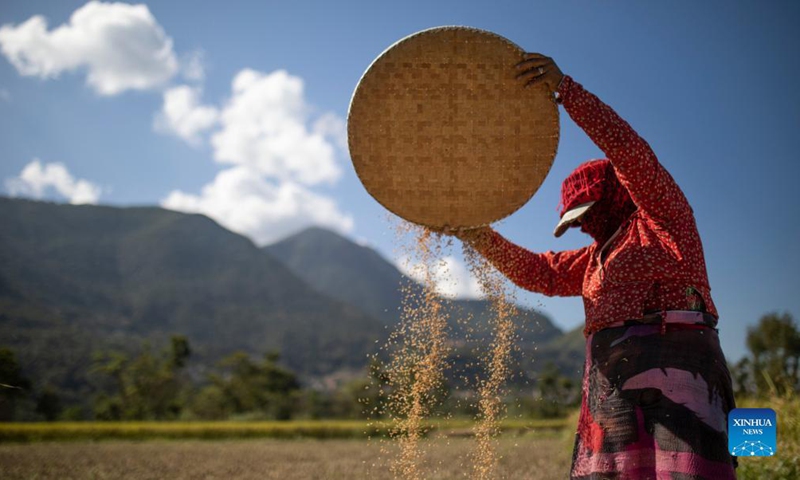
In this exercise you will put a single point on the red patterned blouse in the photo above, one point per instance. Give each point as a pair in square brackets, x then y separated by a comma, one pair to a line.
[652, 264]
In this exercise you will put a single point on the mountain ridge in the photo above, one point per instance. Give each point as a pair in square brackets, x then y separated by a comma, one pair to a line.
[359, 275]
[93, 274]
[77, 279]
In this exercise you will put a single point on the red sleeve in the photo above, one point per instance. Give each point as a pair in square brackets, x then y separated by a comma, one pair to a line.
[551, 273]
[651, 187]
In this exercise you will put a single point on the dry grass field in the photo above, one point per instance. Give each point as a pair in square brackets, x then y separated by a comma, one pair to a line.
[522, 457]
[144, 451]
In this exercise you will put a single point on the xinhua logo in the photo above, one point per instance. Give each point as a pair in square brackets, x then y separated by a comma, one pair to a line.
[752, 432]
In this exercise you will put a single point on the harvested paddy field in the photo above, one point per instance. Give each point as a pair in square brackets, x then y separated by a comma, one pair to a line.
[519, 457]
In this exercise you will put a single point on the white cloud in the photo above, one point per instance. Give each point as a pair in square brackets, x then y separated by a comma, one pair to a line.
[5, 95]
[183, 116]
[193, 66]
[450, 276]
[333, 127]
[246, 202]
[120, 46]
[36, 179]
[364, 242]
[274, 152]
[264, 126]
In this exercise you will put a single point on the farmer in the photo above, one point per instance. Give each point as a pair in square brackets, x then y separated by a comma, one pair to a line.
[656, 387]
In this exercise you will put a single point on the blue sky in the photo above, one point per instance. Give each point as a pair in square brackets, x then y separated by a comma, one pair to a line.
[152, 105]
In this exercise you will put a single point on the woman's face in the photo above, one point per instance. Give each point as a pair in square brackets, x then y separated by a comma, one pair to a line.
[593, 222]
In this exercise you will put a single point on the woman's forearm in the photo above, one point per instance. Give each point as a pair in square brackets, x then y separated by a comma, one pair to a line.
[550, 273]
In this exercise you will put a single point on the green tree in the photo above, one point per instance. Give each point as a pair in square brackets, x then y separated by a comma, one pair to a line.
[742, 378]
[244, 387]
[147, 387]
[557, 392]
[180, 351]
[774, 345]
[362, 396]
[48, 404]
[13, 386]
[211, 403]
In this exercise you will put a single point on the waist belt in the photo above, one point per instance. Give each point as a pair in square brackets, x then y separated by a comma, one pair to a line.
[673, 320]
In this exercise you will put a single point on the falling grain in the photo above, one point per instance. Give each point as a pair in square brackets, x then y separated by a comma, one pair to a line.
[418, 352]
[497, 362]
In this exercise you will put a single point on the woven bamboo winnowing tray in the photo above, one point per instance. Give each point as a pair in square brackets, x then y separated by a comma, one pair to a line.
[442, 133]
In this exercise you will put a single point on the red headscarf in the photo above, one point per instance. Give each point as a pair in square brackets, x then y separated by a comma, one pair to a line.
[596, 181]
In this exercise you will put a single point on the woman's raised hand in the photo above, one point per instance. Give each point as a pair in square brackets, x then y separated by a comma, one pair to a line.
[536, 69]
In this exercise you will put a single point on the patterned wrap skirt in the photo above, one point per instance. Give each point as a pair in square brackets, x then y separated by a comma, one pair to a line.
[655, 402]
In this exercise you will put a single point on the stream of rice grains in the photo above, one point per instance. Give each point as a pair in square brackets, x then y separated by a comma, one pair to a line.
[417, 354]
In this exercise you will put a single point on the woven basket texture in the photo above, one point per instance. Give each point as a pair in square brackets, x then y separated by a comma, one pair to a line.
[441, 132]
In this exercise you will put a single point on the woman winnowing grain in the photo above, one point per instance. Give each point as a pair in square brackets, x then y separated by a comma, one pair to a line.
[656, 387]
